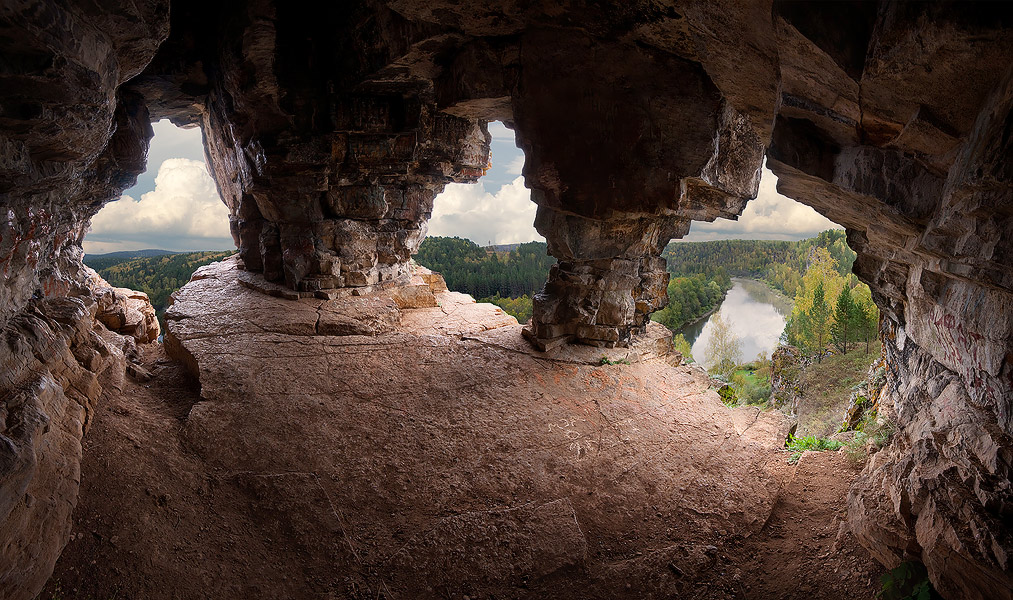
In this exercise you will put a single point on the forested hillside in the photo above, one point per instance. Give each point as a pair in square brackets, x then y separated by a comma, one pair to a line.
[157, 276]
[779, 264]
[103, 261]
[701, 271]
[697, 267]
[471, 269]
[507, 275]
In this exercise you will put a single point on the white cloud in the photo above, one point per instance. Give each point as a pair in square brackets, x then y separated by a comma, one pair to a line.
[515, 166]
[169, 142]
[500, 132]
[183, 212]
[468, 210]
[768, 216]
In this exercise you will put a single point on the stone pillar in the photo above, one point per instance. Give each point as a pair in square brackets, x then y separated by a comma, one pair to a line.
[616, 176]
[344, 208]
[609, 279]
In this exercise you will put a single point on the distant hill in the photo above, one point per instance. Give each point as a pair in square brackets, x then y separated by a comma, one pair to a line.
[102, 261]
[502, 247]
[478, 271]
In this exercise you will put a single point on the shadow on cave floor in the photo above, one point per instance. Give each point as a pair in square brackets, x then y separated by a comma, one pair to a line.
[421, 462]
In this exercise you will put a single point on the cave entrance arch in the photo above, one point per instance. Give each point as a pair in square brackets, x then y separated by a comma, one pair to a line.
[766, 233]
[329, 134]
[173, 205]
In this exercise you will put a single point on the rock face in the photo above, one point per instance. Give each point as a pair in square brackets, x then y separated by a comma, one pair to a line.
[52, 360]
[125, 311]
[911, 152]
[465, 462]
[330, 132]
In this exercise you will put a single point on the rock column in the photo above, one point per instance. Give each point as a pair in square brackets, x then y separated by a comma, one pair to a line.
[346, 208]
[616, 177]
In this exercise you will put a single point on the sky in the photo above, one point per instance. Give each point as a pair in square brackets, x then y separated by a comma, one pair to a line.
[175, 205]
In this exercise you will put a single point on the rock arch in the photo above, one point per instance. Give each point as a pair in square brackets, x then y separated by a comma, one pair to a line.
[330, 133]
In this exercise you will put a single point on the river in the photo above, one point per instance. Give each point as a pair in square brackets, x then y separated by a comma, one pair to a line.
[756, 315]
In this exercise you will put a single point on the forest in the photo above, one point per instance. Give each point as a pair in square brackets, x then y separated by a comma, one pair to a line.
[507, 278]
[510, 276]
[781, 265]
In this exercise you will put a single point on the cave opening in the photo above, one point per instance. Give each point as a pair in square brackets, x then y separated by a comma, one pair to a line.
[763, 245]
[174, 206]
[169, 223]
[497, 209]
[894, 124]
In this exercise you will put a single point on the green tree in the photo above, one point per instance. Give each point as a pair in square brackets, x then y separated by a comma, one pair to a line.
[682, 347]
[816, 324]
[867, 315]
[842, 329]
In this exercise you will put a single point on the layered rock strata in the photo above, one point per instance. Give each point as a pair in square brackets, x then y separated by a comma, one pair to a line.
[55, 358]
[879, 139]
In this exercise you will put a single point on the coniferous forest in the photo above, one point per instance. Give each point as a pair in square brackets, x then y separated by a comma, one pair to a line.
[509, 279]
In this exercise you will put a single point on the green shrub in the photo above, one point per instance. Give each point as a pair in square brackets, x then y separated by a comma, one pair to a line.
[728, 396]
[798, 445]
[879, 431]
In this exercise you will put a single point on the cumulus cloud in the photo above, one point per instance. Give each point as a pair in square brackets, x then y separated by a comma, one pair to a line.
[769, 216]
[515, 166]
[183, 212]
[468, 210]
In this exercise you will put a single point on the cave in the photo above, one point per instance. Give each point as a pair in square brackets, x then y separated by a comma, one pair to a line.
[329, 132]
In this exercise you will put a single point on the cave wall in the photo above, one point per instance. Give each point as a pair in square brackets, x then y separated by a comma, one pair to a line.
[71, 139]
[329, 134]
[914, 159]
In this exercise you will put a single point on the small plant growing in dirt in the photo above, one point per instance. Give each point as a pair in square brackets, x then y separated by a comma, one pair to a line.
[607, 361]
[798, 445]
[909, 581]
[870, 431]
[728, 397]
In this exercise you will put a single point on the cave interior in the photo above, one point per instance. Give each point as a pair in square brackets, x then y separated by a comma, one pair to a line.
[329, 132]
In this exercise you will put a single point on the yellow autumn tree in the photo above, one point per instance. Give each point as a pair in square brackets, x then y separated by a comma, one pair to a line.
[811, 319]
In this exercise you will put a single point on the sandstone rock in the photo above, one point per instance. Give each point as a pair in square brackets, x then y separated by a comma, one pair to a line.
[464, 461]
[138, 372]
[51, 363]
[123, 310]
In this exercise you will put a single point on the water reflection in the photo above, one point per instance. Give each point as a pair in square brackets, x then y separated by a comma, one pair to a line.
[754, 312]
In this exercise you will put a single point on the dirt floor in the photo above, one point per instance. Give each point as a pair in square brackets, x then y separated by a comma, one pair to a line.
[144, 500]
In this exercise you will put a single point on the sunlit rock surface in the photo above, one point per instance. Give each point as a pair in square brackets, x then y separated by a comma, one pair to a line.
[455, 458]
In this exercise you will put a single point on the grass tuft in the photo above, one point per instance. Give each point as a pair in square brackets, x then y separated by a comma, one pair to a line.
[798, 445]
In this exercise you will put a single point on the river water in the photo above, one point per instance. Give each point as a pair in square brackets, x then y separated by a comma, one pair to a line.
[756, 315]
